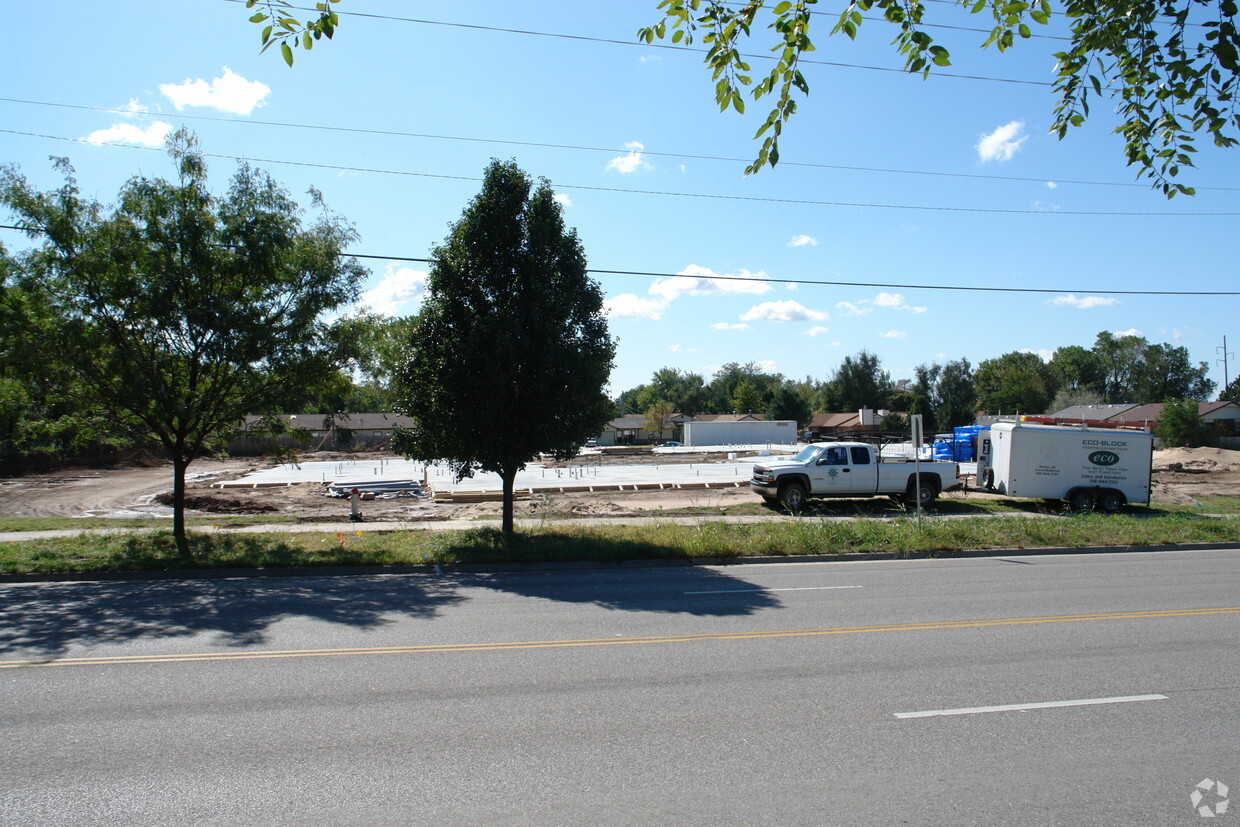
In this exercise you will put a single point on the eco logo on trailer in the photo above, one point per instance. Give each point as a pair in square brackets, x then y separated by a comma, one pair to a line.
[1103, 458]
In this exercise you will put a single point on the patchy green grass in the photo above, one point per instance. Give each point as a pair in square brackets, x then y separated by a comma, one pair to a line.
[1206, 505]
[79, 523]
[805, 535]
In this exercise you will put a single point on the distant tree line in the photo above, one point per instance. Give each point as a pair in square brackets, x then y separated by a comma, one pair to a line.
[1117, 369]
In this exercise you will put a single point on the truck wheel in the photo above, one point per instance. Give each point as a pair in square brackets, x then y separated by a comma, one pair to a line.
[792, 495]
[1111, 501]
[928, 494]
[1082, 499]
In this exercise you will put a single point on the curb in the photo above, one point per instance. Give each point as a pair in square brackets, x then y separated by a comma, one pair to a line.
[588, 565]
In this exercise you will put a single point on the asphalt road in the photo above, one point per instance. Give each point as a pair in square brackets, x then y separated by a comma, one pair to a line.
[797, 693]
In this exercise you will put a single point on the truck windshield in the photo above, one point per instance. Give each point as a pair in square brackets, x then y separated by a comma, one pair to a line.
[808, 454]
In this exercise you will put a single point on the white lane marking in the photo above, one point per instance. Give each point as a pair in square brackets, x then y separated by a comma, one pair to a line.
[975, 710]
[799, 589]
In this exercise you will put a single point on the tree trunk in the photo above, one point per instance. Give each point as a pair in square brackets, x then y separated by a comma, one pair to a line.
[178, 507]
[508, 475]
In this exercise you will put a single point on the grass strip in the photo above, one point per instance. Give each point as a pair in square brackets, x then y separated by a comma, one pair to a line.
[155, 551]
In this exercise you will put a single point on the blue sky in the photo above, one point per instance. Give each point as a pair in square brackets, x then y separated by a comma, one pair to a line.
[890, 187]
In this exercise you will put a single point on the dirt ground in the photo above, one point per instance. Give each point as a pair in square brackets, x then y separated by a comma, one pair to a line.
[1181, 476]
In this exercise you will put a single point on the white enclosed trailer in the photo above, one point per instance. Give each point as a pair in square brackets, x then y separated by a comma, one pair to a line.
[1086, 467]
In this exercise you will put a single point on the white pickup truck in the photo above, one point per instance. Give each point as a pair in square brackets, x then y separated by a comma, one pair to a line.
[850, 469]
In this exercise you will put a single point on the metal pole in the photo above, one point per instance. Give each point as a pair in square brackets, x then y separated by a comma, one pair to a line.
[917, 439]
[1226, 356]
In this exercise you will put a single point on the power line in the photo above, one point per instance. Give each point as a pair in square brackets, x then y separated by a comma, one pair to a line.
[666, 46]
[820, 283]
[389, 133]
[673, 194]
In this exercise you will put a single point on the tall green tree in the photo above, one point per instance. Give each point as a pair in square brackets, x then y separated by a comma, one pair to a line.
[1133, 370]
[730, 377]
[861, 382]
[1078, 371]
[510, 354]
[658, 417]
[956, 395]
[1180, 425]
[686, 392]
[1119, 358]
[787, 403]
[1166, 372]
[1014, 383]
[747, 399]
[180, 312]
[1231, 393]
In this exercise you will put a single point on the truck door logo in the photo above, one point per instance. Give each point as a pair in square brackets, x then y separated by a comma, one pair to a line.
[1103, 458]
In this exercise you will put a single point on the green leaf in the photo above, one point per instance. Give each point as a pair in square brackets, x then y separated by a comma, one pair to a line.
[287, 52]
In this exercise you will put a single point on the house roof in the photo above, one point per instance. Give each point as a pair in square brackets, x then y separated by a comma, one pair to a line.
[1093, 411]
[834, 420]
[1142, 414]
[351, 421]
[748, 417]
[632, 422]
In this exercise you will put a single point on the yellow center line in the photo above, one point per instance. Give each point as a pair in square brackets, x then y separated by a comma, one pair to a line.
[555, 644]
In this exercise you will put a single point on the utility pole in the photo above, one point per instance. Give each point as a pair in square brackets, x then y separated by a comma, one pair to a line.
[1226, 356]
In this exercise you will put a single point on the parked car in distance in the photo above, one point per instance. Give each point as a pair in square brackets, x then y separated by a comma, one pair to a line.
[591, 443]
[672, 444]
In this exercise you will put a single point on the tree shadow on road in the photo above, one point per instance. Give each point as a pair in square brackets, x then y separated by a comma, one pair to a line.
[49, 618]
[690, 590]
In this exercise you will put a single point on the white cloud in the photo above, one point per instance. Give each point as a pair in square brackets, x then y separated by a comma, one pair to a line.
[135, 108]
[894, 334]
[400, 286]
[728, 326]
[228, 93]
[1119, 334]
[816, 331]
[1082, 302]
[803, 240]
[629, 306]
[1001, 144]
[632, 162]
[701, 281]
[1044, 354]
[783, 311]
[674, 348]
[1051, 185]
[894, 301]
[850, 309]
[767, 366]
[562, 199]
[127, 133]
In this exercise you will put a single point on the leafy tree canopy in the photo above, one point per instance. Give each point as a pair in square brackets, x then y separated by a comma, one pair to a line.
[1170, 66]
[659, 417]
[1014, 383]
[510, 354]
[861, 382]
[177, 312]
[1180, 424]
[788, 404]
[1231, 393]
